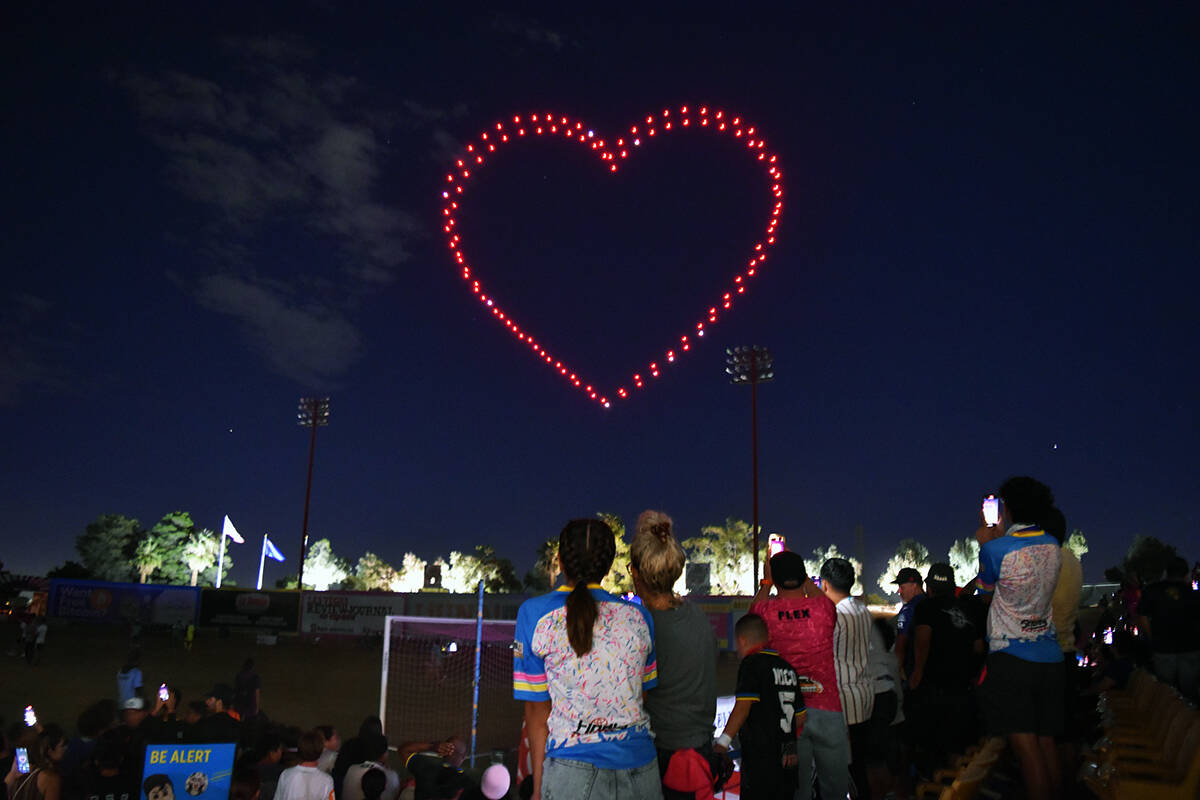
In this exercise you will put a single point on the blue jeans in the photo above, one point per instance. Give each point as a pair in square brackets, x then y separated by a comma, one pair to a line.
[825, 740]
[565, 779]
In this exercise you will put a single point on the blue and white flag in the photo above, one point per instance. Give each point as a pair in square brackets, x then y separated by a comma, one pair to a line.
[272, 550]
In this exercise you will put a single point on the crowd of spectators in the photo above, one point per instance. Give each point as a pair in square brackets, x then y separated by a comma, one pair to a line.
[274, 760]
[620, 696]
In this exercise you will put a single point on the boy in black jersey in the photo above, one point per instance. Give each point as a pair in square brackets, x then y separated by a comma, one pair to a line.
[768, 713]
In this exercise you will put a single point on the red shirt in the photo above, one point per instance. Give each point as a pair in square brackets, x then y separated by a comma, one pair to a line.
[801, 629]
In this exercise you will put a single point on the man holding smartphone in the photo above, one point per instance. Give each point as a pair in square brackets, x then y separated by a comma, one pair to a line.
[1022, 693]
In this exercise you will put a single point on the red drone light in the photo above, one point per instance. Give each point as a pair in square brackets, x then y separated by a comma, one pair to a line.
[552, 124]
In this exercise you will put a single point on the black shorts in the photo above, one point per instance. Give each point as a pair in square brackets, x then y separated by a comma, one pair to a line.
[1020, 696]
[768, 779]
[878, 744]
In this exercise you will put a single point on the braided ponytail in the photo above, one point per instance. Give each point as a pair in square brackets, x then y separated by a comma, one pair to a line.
[586, 548]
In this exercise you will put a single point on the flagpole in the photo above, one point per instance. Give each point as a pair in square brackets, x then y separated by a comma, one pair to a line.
[221, 559]
[261, 557]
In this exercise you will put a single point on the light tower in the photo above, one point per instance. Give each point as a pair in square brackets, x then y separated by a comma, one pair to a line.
[752, 365]
[313, 413]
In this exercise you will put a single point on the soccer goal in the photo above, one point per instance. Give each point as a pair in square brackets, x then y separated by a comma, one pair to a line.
[435, 682]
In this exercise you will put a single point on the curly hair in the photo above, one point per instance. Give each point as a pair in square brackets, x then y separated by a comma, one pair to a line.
[1028, 500]
[586, 548]
[655, 554]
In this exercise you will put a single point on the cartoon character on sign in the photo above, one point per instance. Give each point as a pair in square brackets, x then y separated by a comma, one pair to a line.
[158, 787]
[196, 784]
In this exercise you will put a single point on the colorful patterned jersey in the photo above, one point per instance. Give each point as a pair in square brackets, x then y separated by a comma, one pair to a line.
[1022, 567]
[596, 712]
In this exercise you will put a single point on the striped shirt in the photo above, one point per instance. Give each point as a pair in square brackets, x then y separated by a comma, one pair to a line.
[851, 651]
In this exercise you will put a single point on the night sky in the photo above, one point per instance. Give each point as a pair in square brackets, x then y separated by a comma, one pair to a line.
[985, 267]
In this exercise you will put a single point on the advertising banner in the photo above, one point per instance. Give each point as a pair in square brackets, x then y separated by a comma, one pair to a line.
[184, 771]
[234, 608]
[347, 613]
[143, 603]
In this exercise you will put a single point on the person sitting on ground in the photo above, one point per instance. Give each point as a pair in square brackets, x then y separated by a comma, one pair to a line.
[683, 705]
[582, 660]
[767, 715]
[304, 781]
[333, 743]
[1022, 695]
[801, 622]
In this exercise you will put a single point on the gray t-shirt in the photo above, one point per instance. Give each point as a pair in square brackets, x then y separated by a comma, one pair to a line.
[683, 706]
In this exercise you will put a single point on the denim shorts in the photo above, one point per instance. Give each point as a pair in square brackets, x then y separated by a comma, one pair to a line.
[565, 779]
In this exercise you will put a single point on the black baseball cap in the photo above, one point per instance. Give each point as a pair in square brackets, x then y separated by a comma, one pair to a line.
[787, 570]
[906, 575]
[222, 692]
[941, 576]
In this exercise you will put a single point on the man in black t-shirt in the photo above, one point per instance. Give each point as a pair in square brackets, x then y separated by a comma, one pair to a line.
[1169, 614]
[947, 642]
[768, 714]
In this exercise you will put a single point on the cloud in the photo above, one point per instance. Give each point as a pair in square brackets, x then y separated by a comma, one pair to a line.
[531, 31]
[29, 354]
[308, 342]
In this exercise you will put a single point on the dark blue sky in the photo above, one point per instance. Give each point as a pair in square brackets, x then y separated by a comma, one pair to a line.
[985, 267]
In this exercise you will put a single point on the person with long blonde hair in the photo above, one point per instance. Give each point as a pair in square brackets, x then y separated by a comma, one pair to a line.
[683, 705]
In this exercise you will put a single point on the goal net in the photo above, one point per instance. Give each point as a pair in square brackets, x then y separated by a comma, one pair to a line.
[427, 682]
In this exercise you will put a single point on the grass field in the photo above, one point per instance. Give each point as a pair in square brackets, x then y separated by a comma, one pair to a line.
[305, 682]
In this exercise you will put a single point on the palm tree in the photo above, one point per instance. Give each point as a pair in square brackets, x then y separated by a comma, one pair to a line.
[200, 552]
[148, 557]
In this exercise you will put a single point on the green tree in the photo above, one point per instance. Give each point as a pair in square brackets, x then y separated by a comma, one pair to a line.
[545, 570]
[823, 554]
[909, 553]
[1147, 558]
[463, 572]
[72, 570]
[200, 553]
[728, 551]
[107, 545]
[373, 574]
[322, 568]
[618, 580]
[411, 575]
[172, 533]
[1078, 543]
[964, 558]
[147, 557]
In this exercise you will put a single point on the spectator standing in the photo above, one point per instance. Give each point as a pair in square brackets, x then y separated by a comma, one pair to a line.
[269, 762]
[129, 678]
[107, 775]
[885, 755]
[44, 780]
[683, 705]
[333, 743]
[1170, 618]
[582, 659]
[353, 751]
[221, 724]
[800, 621]
[375, 752]
[768, 712]
[851, 654]
[247, 691]
[945, 644]
[912, 591]
[1022, 695]
[304, 781]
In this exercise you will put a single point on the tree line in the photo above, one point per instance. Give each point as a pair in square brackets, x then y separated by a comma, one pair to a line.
[174, 551]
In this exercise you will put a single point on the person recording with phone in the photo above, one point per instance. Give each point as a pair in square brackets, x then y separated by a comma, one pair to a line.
[43, 778]
[1022, 693]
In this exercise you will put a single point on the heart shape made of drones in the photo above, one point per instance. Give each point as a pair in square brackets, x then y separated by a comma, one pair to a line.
[652, 128]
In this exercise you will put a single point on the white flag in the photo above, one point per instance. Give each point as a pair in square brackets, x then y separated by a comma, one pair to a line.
[231, 532]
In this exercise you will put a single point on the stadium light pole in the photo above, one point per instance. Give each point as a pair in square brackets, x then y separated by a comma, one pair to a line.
[752, 365]
[313, 413]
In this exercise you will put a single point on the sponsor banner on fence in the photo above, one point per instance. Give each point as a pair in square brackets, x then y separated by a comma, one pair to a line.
[183, 771]
[444, 604]
[348, 613]
[233, 608]
[143, 603]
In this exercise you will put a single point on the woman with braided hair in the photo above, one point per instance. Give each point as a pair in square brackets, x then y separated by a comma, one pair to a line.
[683, 706]
[582, 659]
